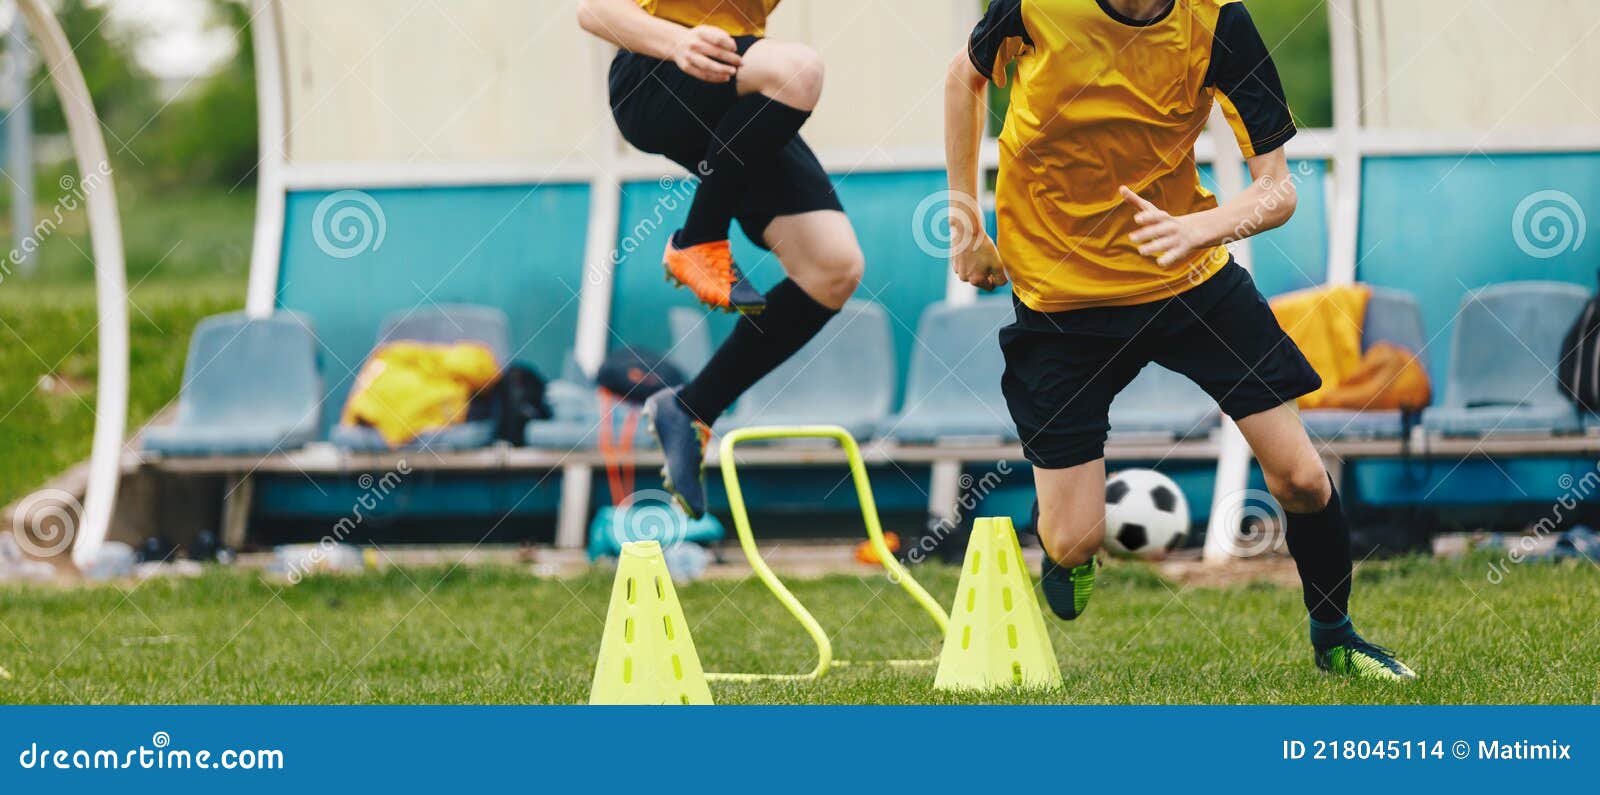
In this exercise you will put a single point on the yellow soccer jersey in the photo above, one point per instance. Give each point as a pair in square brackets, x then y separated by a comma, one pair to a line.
[1100, 101]
[737, 17]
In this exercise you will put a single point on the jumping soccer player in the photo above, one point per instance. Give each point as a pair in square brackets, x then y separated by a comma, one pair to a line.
[696, 81]
[1116, 258]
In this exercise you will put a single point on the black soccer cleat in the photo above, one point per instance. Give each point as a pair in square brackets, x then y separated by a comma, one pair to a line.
[1357, 658]
[683, 444]
[1066, 590]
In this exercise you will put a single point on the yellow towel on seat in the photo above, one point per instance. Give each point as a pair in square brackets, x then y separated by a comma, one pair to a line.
[407, 388]
[1326, 323]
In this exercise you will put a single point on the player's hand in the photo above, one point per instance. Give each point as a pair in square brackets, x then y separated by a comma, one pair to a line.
[978, 263]
[707, 53]
[1169, 238]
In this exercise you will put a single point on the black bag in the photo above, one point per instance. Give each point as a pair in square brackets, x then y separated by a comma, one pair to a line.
[1580, 358]
[634, 375]
[514, 401]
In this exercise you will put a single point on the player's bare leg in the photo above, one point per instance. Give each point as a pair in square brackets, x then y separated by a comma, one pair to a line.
[1072, 525]
[784, 71]
[1319, 538]
[819, 252]
[1294, 471]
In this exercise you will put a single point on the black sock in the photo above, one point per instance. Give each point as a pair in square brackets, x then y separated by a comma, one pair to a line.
[1320, 544]
[1326, 635]
[754, 129]
[758, 344]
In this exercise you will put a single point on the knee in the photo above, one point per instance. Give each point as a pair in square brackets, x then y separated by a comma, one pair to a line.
[1070, 543]
[837, 277]
[809, 74]
[798, 83]
[1303, 488]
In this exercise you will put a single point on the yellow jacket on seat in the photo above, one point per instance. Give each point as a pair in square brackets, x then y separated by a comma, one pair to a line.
[407, 388]
[1327, 323]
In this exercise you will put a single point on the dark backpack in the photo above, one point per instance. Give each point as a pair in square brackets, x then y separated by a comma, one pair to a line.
[1580, 358]
[514, 401]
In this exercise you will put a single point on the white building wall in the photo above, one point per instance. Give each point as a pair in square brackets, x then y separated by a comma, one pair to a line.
[1479, 64]
[465, 80]
[886, 64]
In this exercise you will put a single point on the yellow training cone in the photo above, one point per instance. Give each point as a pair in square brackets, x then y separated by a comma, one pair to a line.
[997, 636]
[646, 654]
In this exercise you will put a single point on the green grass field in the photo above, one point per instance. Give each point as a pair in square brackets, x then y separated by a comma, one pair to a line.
[501, 635]
[187, 255]
[48, 367]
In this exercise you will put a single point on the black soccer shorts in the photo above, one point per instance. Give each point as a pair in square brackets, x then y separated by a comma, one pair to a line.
[1063, 368]
[663, 110]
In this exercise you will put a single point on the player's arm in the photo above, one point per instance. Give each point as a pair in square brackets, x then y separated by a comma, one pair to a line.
[705, 52]
[973, 255]
[1246, 84]
[1267, 204]
[999, 37]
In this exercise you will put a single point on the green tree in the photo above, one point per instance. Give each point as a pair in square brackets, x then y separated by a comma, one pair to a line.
[208, 134]
[124, 94]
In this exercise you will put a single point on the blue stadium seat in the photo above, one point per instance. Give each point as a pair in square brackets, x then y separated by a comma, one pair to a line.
[576, 407]
[442, 324]
[845, 376]
[583, 433]
[572, 372]
[691, 346]
[1162, 403]
[451, 323]
[1393, 316]
[953, 388]
[1502, 368]
[576, 424]
[250, 387]
[1353, 424]
[1165, 404]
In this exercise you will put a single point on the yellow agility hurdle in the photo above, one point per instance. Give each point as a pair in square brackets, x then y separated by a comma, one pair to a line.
[869, 513]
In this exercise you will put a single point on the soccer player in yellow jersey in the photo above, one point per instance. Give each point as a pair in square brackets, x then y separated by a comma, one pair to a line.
[1116, 259]
[697, 81]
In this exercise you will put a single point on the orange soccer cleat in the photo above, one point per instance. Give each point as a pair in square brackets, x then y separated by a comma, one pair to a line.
[709, 271]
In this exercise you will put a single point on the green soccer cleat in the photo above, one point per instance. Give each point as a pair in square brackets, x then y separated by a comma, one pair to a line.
[1066, 590]
[1362, 660]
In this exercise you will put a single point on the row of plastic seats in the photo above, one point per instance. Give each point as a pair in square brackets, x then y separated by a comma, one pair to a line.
[1506, 350]
[251, 385]
[846, 376]
[953, 388]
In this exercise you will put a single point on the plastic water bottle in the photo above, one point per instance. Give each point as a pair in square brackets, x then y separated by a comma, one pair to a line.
[112, 560]
[14, 565]
[686, 561]
[297, 561]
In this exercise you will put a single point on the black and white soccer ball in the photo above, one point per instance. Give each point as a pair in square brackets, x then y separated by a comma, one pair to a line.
[1146, 514]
